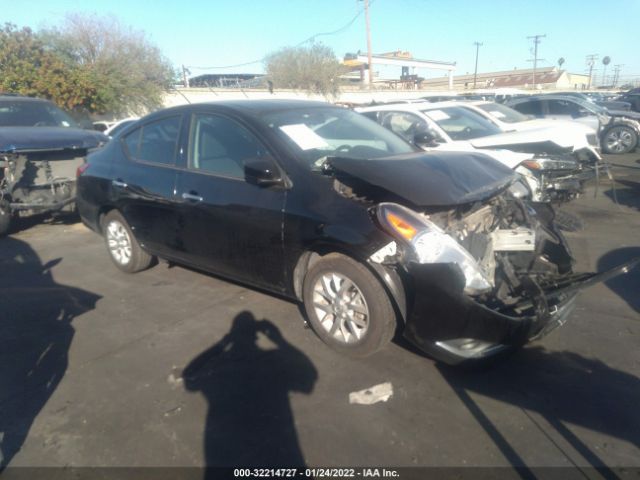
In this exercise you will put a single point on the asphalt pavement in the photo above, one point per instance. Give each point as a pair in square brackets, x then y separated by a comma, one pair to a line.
[171, 367]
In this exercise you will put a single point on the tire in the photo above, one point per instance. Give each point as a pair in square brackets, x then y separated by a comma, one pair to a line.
[358, 331]
[124, 250]
[619, 139]
[5, 218]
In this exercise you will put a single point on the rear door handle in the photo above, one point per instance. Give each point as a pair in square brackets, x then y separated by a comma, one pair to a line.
[193, 198]
[119, 183]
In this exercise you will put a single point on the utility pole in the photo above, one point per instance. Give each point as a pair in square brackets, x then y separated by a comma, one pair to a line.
[536, 41]
[591, 61]
[366, 17]
[475, 72]
[616, 73]
[185, 79]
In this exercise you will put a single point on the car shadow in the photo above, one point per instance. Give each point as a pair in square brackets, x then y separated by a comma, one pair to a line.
[626, 193]
[625, 286]
[36, 332]
[246, 378]
[561, 387]
[20, 224]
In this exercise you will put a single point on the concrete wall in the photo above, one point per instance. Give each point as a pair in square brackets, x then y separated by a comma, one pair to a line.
[198, 95]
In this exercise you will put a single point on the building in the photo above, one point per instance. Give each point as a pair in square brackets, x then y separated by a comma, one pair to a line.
[547, 78]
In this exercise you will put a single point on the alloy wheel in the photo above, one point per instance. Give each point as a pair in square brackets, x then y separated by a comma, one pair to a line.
[119, 242]
[340, 307]
[619, 140]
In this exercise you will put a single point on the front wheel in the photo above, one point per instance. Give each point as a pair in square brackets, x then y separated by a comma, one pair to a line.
[347, 306]
[619, 139]
[123, 248]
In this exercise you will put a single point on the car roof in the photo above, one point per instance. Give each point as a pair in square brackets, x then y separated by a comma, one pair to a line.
[411, 107]
[248, 106]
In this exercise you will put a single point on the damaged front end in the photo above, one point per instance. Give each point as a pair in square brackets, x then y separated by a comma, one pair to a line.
[481, 278]
[558, 179]
[38, 168]
[39, 182]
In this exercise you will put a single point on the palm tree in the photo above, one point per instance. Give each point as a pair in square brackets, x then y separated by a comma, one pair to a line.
[560, 62]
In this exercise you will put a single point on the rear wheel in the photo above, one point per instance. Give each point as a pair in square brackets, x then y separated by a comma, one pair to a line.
[347, 306]
[619, 139]
[123, 248]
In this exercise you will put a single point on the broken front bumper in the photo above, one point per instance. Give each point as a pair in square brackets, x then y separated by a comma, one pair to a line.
[454, 328]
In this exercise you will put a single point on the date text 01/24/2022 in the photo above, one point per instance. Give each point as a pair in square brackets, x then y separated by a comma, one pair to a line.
[315, 473]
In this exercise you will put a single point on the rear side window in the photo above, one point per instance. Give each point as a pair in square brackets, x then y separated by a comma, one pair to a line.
[562, 107]
[155, 142]
[529, 108]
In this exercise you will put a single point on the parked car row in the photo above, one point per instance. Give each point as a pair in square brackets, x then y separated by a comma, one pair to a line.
[324, 206]
[553, 158]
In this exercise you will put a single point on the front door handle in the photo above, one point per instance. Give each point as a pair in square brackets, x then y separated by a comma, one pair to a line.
[193, 198]
[119, 183]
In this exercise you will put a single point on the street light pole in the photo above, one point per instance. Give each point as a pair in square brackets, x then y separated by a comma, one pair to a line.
[475, 72]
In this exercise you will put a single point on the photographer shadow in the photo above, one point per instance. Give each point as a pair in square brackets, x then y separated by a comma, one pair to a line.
[249, 420]
[36, 332]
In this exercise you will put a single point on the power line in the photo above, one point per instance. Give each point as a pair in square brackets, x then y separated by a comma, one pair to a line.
[311, 38]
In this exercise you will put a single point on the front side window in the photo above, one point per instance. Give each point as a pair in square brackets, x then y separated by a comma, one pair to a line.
[222, 146]
[462, 123]
[155, 142]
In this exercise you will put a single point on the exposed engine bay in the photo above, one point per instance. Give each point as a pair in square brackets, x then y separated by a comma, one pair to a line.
[41, 181]
[514, 249]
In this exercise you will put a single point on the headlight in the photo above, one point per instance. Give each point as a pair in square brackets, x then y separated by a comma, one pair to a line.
[550, 164]
[431, 244]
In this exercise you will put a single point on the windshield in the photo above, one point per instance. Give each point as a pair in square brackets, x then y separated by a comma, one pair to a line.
[462, 123]
[16, 113]
[317, 133]
[503, 113]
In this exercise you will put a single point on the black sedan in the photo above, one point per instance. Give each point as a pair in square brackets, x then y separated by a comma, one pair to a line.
[322, 205]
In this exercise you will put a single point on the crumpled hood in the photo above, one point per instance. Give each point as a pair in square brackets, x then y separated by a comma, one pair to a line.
[536, 140]
[432, 179]
[29, 139]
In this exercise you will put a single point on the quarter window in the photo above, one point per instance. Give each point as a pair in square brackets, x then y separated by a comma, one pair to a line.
[155, 142]
[221, 146]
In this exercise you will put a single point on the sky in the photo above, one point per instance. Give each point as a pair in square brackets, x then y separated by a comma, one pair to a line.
[215, 33]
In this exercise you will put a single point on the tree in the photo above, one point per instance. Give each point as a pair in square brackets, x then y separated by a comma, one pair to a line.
[130, 74]
[560, 62]
[313, 68]
[27, 67]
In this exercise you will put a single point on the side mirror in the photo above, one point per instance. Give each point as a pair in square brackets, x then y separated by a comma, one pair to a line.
[261, 172]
